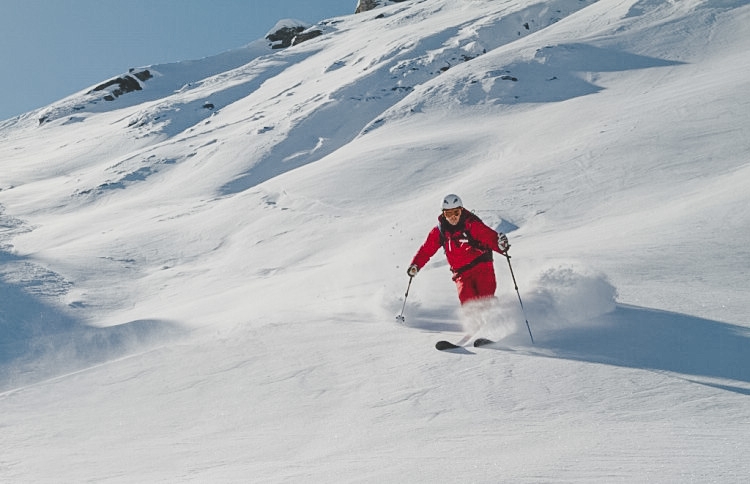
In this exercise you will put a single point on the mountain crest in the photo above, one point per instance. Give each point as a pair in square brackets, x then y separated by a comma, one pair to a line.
[365, 5]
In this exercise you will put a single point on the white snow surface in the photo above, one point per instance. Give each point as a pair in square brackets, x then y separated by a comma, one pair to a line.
[199, 280]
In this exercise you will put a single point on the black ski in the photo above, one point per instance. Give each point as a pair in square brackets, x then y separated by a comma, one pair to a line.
[482, 342]
[446, 345]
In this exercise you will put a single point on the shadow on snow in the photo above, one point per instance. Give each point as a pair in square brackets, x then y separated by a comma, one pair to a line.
[659, 340]
[40, 341]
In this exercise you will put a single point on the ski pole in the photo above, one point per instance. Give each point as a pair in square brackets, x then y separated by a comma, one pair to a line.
[400, 317]
[519, 298]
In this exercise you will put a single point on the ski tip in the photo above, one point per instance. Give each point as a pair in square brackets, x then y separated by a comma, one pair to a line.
[482, 342]
[445, 345]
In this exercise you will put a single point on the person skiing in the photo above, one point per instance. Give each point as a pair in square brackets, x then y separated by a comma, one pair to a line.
[468, 244]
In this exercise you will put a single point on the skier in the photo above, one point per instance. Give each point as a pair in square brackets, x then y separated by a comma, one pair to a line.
[468, 244]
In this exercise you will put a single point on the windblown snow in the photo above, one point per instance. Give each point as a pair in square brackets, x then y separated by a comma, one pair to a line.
[199, 277]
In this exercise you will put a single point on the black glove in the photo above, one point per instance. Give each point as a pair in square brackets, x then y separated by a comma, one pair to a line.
[503, 243]
[412, 270]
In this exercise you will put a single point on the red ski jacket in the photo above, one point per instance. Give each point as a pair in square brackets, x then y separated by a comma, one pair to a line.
[463, 243]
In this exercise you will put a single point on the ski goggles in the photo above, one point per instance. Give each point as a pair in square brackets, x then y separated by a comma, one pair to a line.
[452, 212]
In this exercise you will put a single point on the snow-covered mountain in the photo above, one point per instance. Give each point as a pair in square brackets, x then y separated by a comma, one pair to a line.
[200, 262]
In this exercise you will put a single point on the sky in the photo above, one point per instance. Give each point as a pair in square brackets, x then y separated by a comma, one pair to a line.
[51, 49]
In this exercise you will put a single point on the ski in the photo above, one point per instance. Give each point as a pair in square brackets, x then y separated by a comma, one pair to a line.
[482, 342]
[447, 345]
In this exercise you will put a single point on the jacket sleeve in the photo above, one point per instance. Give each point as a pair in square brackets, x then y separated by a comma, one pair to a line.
[428, 249]
[485, 236]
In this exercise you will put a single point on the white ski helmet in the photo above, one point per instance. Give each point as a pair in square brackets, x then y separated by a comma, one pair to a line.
[452, 201]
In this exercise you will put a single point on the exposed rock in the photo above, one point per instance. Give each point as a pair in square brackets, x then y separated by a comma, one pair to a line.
[124, 84]
[284, 36]
[310, 34]
[143, 75]
[288, 35]
[365, 5]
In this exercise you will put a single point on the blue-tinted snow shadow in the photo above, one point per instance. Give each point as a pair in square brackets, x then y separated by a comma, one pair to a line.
[556, 73]
[636, 337]
[39, 340]
[437, 320]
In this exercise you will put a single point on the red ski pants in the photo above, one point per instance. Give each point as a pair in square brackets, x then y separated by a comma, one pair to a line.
[477, 283]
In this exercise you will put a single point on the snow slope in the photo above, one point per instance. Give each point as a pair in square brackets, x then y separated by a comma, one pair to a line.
[199, 279]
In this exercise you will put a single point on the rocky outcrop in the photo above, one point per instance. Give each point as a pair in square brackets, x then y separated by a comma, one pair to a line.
[288, 36]
[365, 5]
[127, 83]
[310, 34]
[284, 36]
